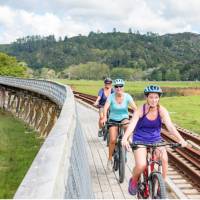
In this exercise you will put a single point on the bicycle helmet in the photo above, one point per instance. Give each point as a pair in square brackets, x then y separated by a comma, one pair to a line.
[108, 81]
[153, 89]
[119, 82]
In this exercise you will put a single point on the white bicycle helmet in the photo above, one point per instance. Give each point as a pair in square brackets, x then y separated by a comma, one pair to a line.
[119, 82]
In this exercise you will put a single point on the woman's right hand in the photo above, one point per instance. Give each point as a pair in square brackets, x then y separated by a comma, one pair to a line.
[103, 120]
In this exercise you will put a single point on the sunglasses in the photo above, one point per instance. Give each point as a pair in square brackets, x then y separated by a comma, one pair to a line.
[119, 86]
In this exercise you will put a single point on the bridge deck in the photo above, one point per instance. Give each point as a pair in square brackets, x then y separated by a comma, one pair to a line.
[105, 185]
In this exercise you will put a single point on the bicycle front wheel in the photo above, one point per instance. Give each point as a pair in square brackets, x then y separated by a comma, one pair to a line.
[158, 189]
[121, 163]
[105, 133]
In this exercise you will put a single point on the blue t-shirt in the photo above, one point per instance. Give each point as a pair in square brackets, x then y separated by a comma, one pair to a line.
[119, 111]
[103, 98]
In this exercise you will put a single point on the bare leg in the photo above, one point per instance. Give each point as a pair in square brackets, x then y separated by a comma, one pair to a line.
[100, 117]
[113, 136]
[164, 163]
[140, 162]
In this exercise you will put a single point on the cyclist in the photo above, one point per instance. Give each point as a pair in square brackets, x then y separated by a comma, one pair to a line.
[117, 103]
[146, 127]
[101, 99]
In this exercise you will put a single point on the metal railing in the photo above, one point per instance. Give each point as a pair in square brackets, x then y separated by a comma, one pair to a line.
[54, 91]
[60, 169]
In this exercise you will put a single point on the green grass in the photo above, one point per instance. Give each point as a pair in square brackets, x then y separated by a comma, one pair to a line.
[92, 87]
[18, 147]
[184, 110]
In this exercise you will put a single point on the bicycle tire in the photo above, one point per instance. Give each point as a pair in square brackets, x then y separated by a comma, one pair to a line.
[158, 189]
[108, 139]
[115, 165]
[105, 133]
[121, 163]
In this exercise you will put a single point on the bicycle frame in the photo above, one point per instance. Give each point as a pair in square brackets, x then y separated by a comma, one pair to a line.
[150, 168]
[144, 186]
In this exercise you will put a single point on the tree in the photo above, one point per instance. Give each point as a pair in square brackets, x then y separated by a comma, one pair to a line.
[9, 66]
[172, 75]
[127, 73]
[156, 75]
[90, 71]
[47, 73]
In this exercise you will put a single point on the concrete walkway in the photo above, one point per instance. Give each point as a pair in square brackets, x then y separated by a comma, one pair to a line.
[105, 185]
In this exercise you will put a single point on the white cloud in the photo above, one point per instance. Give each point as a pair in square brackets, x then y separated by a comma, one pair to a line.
[21, 23]
[19, 18]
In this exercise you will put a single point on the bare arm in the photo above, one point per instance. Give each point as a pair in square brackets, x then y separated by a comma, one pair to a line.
[170, 126]
[133, 106]
[97, 101]
[105, 111]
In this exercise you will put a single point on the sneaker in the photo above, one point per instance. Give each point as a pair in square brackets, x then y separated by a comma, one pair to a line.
[132, 187]
[100, 134]
[109, 165]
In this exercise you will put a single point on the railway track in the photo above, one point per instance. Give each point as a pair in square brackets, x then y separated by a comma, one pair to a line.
[184, 168]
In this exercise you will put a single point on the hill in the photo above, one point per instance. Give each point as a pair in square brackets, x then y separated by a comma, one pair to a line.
[166, 57]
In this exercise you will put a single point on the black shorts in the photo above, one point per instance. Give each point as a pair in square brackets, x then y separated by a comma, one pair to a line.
[111, 120]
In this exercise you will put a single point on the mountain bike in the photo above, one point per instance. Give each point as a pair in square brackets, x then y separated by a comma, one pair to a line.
[119, 154]
[151, 183]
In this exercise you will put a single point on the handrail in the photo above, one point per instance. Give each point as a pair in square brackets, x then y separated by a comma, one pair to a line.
[54, 91]
[60, 169]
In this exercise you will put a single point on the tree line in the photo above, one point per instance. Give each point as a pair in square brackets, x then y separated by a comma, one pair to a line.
[133, 55]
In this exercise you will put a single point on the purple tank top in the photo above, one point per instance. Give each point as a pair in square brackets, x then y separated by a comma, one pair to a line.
[147, 131]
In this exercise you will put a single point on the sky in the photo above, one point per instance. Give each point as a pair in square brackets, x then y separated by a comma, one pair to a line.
[19, 18]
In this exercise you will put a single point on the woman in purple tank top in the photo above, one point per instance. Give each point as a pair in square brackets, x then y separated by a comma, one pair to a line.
[101, 100]
[145, 126]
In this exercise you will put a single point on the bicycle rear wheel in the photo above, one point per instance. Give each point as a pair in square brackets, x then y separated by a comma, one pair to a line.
[158, 189]
[121, 163]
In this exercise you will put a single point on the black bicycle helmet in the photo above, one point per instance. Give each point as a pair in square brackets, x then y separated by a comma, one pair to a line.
[153, 89]
[108, 81]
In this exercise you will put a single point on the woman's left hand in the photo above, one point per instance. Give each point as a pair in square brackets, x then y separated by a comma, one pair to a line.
[126, 144]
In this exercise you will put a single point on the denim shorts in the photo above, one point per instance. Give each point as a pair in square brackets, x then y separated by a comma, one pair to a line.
[145, 142]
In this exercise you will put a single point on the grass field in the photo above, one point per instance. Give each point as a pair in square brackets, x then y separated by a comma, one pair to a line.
[18, 147]
[92, 87]
[184, 110]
